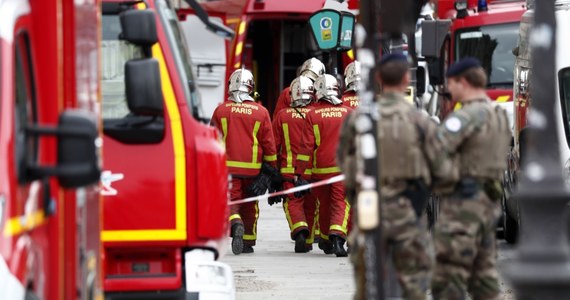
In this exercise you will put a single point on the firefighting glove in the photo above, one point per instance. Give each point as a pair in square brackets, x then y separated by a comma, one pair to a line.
[260, 185]
[275, 199]
[300, 182]
[272, 173]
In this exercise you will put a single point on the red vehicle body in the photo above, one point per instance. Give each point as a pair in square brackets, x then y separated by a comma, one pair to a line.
[499, 23]
[272, 33]
[49, 66]
[162, 197]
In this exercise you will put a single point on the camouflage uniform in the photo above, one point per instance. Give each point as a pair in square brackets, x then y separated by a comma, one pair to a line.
[403, 157]
[476, 139]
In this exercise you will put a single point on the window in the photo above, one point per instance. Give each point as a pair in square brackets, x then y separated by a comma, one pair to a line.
[180, 53]
[25, 111]
[492, 45]
[115, 53]
[564, 85]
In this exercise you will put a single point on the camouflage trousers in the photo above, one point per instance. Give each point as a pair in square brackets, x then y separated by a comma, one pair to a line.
[411, 249]
[465, 249]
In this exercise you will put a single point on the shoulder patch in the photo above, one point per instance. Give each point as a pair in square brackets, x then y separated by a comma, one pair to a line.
[453, 124]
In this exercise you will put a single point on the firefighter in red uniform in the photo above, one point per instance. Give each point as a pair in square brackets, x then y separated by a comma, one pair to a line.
[249, 141]
[321, 139]
[289, 126]
[351, 79]
[311, 68]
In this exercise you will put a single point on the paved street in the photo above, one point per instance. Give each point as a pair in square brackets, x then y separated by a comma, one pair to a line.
[274, 271]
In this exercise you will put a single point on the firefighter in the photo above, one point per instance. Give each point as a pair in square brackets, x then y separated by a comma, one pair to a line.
[351, 80]
[476, 138]
[321, 138]
[248, 136]
[288, 126]
[311, 68]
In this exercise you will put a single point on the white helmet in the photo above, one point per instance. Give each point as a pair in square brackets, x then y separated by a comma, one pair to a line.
[327, 89]
[241, 85]
[352, 76]
[302, 91]
[313, 68]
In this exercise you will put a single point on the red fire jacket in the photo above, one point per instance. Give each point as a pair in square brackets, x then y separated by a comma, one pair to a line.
[248, 136]
[289, 126]
[350, 99]
[284, 101]
[321, 139]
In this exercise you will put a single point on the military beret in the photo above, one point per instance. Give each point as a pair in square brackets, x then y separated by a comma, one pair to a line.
[462, 65]
[393, 57]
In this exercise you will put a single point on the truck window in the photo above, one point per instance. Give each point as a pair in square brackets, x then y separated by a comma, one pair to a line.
[177, 44]
[25, 105]
[564, 86]
[115, 53]
[492, 45]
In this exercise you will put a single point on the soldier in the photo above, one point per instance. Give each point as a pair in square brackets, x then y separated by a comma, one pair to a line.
[288, 126]
[351, 79]
[404, 163]
[325, 120]
[476, 138]
[311, 68]
[248, 136]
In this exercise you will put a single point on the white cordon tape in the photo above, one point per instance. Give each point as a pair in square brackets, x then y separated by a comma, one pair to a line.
[337, 178]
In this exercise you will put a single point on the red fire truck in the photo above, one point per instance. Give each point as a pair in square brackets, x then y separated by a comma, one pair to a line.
[487, 30]
[49, 203]
[164, 182]
[272, 39]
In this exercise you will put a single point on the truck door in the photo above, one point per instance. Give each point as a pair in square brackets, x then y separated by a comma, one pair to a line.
[208, 54]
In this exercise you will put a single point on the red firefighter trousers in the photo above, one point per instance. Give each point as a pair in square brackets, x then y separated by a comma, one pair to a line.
[334, 210]
[246, 213]
[300, 213]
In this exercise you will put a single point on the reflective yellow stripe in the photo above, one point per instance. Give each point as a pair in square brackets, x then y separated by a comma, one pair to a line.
[350, 54]
[239, 48]
[288, 215]
[302, 157]
[288, 146]
[287, 171]
[18, 225]
[317, 133]
[308, 172]
[255, 141]
[343, 228]
[179, 232]
[324, 237]
[457, 106]
[245, 165]
[225, 128]
[270, 157]
[253, 237]
[326, 170]
[241, 29]
[235, 216]
[299, 224]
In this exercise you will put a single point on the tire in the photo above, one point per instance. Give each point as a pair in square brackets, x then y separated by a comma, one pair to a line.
[510, 228]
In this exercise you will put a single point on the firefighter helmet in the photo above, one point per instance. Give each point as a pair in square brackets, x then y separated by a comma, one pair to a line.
[302, 91]
[241, 85]
[313, 68]
[352, 76]
[327, 88]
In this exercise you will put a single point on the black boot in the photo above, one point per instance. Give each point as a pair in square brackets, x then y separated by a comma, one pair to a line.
[300, 242]
[338, 246]
[237, 238]
[326, 246]
[247, 249]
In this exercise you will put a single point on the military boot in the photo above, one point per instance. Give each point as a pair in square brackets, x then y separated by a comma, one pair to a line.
[237, 238]
[338, 246]
[300, 242]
